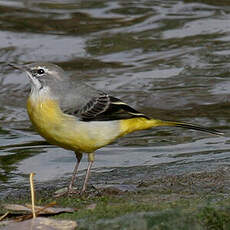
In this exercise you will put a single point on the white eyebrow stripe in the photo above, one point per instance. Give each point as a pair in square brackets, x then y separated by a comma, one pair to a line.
[47, 70]
[42, 67]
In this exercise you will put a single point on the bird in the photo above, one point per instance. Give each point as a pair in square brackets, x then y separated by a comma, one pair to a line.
[73, 115]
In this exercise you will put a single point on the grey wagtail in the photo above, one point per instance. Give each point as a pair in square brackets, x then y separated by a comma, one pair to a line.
[69, 113]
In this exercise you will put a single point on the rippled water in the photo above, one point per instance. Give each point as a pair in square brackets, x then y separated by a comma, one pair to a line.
[169, 59]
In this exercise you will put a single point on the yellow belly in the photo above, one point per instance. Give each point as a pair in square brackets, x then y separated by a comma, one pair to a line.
[70, 133]
[67, 131]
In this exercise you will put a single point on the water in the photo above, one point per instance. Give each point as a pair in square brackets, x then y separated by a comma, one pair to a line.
[169, 59]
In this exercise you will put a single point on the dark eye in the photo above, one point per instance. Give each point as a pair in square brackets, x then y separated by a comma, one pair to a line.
[40, 71]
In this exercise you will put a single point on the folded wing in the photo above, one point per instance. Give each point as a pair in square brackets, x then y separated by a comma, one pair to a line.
[104, 108]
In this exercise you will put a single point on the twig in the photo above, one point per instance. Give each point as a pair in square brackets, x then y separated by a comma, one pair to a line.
[32, 194]
[3, 216]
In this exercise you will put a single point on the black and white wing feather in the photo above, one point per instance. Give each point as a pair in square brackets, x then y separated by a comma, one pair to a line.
[104, 108]
[95, 107]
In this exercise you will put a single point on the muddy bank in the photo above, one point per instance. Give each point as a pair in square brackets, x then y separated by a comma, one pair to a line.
[198, 200]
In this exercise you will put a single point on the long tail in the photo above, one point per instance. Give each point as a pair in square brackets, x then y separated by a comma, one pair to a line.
[140, 123]
[188, 126]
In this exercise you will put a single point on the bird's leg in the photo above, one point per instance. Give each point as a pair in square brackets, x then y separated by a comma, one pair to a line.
[91, 160]
[78, 156]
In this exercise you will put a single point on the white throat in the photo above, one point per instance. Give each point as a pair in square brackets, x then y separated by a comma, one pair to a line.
[39, 93]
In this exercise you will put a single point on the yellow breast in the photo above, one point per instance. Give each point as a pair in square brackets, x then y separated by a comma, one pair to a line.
[47, 119]
[67, 131]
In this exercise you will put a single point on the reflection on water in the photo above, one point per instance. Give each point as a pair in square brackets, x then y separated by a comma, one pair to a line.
[168, 59]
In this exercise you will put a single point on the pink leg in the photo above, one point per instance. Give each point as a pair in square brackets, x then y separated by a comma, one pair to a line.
[91, 160]
[78, 156]
[86, 177]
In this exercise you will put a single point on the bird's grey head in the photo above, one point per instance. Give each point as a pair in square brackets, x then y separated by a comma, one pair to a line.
[42, 74]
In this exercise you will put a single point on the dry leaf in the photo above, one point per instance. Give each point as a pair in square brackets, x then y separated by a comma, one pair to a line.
[42, 223]
[39, 209]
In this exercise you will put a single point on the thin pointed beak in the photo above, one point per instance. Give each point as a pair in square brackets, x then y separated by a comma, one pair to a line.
[21, 67]
[26, 69]
[17, 66]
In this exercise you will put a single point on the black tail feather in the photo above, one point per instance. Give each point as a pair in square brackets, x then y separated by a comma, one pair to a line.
[200, 128]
